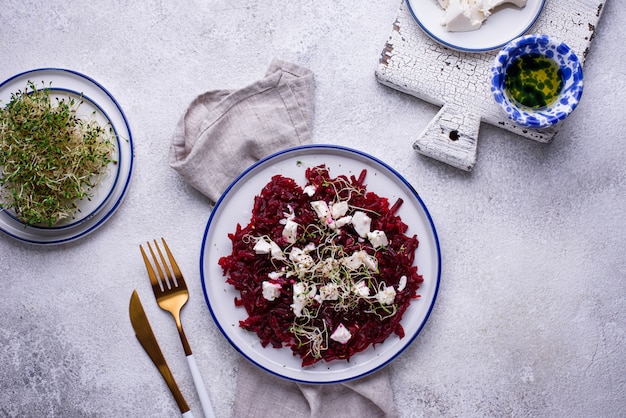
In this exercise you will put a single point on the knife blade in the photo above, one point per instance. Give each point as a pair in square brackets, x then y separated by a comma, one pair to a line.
[148, 341]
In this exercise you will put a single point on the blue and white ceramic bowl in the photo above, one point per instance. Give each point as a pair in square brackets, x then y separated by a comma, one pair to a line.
[569, 70]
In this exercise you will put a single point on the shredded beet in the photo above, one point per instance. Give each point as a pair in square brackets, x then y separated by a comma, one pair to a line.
[300, 310]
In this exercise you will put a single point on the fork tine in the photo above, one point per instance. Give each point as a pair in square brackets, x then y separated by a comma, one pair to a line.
[167, 277]
[177, 273]
[153, 278]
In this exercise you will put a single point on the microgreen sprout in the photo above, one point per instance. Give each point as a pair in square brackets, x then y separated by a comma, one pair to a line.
[315, 338]
[50, 158]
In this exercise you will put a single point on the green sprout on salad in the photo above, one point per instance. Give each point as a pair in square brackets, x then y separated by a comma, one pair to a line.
[50, 158]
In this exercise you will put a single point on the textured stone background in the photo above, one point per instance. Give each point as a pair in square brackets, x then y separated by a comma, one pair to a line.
[530, 316]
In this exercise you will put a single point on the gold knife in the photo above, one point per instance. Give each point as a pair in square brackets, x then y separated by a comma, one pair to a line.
[148, 341]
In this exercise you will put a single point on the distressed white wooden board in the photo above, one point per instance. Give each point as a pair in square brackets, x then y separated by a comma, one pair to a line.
[459, 81]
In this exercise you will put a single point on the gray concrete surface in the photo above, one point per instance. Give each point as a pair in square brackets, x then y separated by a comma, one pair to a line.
[530, 315]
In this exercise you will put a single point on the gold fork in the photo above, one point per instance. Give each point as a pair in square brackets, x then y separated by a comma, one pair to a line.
[171, 294]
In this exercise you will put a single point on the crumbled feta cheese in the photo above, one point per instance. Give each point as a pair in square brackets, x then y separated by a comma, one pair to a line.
[368, 261]
[290, 216]
[276, 251]
[321, 210]
[341, 222]
[301, 259]
[462, 17]
[386, 296]
[353, 262]
[329, 267]
[341, 334]
[275, 275]
[262, 247]
[360, 258]
[329, 291]
[271, 290]
[338, 209]
[377, 238]
[402, 283]
[309, 190]
[267, 246]
[362, 223]
[299, 298]
[467, 15]
[361, 289]
[290, 231]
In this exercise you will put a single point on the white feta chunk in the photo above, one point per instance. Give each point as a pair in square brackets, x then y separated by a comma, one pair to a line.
[329, 267]
[362, 223]
[301, 259]
[271, 290]
[368, 261]
[290, 231]
[329, 291]
[289, 216]
[339, 209]
[321, 210]
[358, 259]
[377, 238]
[341, 334]
[386, 296]
[343, 221]
[461, 17]
[299, 298]
[276, 251]
[309, 190]
[353, 261]
[361, 289]
[262, 247]
[468, 15]
[402, 283]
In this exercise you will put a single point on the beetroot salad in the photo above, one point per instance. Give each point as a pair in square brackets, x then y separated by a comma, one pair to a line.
[325, 269]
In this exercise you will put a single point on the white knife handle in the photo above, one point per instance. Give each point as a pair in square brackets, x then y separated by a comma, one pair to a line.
[187, 414]
[207, 408]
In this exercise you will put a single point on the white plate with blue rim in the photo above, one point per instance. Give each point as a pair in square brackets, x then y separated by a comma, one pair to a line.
[505, 24]
[235, 207]
[108, 194]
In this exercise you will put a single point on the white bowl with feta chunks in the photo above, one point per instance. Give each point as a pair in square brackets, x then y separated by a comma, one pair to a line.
[475, 25]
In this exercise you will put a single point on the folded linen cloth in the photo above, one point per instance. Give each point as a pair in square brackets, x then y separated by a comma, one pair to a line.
[221, 134]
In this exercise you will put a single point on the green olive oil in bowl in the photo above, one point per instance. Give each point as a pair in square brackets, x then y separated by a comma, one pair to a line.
[533, 80]
[537, 81]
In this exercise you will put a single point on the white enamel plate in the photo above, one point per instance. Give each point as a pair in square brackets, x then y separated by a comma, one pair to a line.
[109, 192]
[505, 24]
[235, 207]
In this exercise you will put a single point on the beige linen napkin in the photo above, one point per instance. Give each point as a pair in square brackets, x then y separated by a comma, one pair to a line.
[220, 135]
[223, 132]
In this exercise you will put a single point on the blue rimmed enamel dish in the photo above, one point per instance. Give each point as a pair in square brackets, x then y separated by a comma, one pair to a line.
[567, 71]
[97, 103]
[235, 207]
